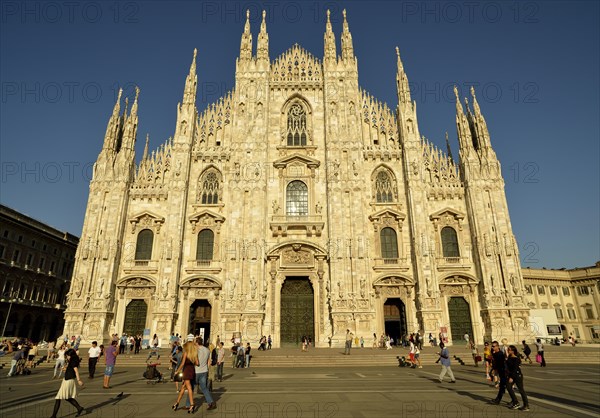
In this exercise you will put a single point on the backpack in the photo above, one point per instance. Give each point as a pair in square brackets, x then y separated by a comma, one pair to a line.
[213, 357]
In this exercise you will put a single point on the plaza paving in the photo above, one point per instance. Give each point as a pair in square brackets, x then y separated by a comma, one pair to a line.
[344, 390]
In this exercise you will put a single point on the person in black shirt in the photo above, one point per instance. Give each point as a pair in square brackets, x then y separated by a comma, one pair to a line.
[499, 369]
[68, 387]
[515, 375]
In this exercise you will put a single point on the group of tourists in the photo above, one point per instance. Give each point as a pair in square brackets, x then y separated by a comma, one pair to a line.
[265, 343]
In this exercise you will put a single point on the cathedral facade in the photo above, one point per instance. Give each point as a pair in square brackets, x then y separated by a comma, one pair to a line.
[297, 205]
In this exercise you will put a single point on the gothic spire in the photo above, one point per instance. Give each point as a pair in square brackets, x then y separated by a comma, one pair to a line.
[402, 87]
[459, 108]
[131, 122]
[191, 81]
[246, 44]
[449, 150]
[114, 125]
[262, 46]
[145, 156]
[347, 47]
[330, 50]
[462, 128]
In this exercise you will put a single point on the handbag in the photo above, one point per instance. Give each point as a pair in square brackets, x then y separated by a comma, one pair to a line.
[477, 358]
[538, 358]
[178, 377]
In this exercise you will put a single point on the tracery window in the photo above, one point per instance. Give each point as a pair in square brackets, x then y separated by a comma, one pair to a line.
[389, 243]
[209, 194]
[449, 242]
[383, 187]
[297, 198]
[296, 126]
[143, 248]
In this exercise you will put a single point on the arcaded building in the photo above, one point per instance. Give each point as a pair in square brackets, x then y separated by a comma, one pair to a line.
[36, 263]
[298, 205]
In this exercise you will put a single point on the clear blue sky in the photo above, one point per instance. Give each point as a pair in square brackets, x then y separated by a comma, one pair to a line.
[535, 66]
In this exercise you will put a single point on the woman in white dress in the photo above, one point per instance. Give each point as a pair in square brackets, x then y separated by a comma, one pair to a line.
[68, 387]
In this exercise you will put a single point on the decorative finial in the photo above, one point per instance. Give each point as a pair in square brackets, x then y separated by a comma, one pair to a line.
[247, 14]
[195, 52]
[137, 93]
[344, 13]
[456, 93]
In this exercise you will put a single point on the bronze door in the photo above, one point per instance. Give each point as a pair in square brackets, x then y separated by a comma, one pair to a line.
[460, 318]
[135, 317]
[297, 310]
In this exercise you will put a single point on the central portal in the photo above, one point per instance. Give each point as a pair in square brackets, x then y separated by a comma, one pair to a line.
[297, 311]
[200, 315]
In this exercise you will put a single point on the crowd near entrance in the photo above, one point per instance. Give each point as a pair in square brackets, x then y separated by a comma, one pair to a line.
[394, 314]
[297, 311]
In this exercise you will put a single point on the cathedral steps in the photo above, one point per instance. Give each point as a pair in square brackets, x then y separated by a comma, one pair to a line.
[334, 357]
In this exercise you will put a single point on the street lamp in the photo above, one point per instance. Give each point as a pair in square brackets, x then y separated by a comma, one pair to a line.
[13, 297]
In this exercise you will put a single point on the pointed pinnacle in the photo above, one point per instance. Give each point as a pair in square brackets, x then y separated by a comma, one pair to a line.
[247, 25]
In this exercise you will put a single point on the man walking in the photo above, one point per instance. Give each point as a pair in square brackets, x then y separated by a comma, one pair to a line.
[349, 337]
[110, 356]
[202, 372]
[445, 361]
[498, 369]
[93, 355]
[220, 360]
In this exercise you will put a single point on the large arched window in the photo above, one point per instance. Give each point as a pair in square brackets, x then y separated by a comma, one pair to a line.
[296, 126]
[204, 250]
[383, 187]
[389, 243]
[143, 248]
[209, 185]
[449, 242]
[297, 198]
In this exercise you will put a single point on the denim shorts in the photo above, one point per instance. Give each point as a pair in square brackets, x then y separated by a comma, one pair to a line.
[108, 371]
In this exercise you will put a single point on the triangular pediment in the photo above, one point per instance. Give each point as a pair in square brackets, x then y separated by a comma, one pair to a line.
[387, 213]
[447, 212]
[203, 214]
[206, 218]
[146, 219]
[296, 159]
[147, 215]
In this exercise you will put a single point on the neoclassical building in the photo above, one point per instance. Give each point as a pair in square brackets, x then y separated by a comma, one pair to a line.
[36, 263]
[297, 204]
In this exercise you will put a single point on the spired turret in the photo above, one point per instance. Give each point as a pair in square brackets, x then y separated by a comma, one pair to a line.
[246, 43]
[262, 46]
[330, 52]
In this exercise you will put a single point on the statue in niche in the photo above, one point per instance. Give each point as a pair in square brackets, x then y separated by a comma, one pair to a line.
[165, 288]
[100, 286]
[513, 284]
[340, 285]
[252, 288]
[318, 208]
[363, 288]
[232, 285]
[428, 286]
[78, 287]
[493, 285]
[275, 206]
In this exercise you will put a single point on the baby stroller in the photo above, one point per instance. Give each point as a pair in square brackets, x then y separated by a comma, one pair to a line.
[152, 375]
